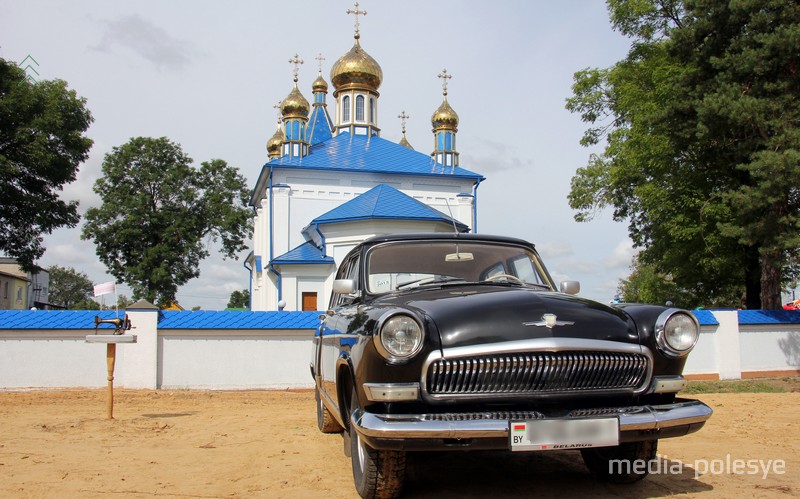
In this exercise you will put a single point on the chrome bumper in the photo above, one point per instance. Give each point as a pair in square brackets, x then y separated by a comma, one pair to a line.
[421, 426]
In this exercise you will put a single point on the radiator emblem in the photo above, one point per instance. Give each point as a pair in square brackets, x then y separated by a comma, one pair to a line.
[549, 321]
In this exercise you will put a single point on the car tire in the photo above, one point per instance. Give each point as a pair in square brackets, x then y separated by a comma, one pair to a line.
[623, 463]
[376, 473]
[325, 420]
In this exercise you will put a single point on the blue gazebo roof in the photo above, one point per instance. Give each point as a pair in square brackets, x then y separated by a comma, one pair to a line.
[386, 203]
[305, 254]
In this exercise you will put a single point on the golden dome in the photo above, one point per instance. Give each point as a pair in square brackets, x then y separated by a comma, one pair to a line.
[357, 69]
[274, 143]
[444, 117]
[319, 85]
[295, 105]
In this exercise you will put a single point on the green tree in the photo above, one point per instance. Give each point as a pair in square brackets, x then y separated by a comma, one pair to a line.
[239, 299]
[124, 302]
[701, 153]
[159, 215]
[69, 288]
[42, 143]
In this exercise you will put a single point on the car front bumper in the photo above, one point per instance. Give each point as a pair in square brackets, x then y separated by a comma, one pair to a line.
[485, 431]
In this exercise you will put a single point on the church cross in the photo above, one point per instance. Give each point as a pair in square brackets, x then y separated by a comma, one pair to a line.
[278, 107]
[444, 76]
[297, 62]
[356, 13]
[403, 117]
[319, 59]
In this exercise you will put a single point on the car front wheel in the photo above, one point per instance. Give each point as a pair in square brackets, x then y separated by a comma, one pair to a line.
[626, 463]
[325, 420]
[376, 473]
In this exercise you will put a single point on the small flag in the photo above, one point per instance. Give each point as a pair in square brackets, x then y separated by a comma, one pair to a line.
[519, 427]
[105, 288]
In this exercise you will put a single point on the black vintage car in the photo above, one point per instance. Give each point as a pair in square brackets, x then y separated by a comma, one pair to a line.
[464, 342]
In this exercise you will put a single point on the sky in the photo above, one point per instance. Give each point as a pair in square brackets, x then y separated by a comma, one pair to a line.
[207, 75]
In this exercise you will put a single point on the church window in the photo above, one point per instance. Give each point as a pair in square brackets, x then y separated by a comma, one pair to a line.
[372, 110]
[346, 109]
[360, 108]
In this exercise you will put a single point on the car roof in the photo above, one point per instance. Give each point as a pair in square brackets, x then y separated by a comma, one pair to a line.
[446, 236]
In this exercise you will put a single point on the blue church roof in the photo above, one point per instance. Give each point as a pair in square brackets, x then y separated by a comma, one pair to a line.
[319, 126]
[387, 203]
[360, 153]
[305, 254]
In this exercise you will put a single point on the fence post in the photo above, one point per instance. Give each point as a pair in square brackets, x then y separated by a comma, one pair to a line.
[729, 356]
[140, 361]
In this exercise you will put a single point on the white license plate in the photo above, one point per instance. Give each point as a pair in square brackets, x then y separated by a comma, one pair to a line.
[559, 434]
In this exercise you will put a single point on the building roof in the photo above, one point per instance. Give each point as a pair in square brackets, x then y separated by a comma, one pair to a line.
[55, 319]
[305, 254]
[386, 203]
[360, 153]
[84, 319]
[705, 318]
[319, 126]
[769, 317]
[238, 320]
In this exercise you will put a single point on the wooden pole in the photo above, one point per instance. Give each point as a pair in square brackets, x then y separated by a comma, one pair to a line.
[111, 357]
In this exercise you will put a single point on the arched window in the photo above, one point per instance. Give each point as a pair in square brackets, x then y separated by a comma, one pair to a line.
[372, 110]
[360, 108]
[346, 109]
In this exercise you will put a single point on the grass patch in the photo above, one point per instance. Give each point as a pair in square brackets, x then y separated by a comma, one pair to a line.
[739, 386]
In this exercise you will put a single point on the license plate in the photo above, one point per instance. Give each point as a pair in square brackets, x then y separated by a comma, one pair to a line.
[559, 434]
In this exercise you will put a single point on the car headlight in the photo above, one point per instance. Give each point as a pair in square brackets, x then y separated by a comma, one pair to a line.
[676, 332]
[400, 338]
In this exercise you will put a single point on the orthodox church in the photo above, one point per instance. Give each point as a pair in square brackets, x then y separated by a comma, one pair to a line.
[331, 183]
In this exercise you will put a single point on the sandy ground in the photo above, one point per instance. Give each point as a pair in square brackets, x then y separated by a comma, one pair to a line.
[266, 444]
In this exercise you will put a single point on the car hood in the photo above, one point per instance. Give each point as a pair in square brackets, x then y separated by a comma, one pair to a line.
[485, 314]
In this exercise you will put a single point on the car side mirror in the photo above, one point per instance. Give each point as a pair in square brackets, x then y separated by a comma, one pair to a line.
[570, 287]
[344, 286]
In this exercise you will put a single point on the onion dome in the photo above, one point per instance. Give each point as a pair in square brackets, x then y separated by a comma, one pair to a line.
[274, 143]
[444, 117]
[295, 105]
[319, 85]
[356, 69]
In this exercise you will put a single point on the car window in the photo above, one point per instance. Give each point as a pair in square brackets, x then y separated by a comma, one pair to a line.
[409, 264]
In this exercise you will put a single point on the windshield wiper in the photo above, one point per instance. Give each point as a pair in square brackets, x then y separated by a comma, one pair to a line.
[427, 281]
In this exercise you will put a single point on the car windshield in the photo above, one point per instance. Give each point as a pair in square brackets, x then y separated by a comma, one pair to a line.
[407, 265]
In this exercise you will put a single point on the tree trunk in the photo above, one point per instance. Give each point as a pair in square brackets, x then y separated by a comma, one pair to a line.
[752, 279]
[771, 281]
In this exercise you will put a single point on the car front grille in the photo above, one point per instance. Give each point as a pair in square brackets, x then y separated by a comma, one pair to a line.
[537, 373]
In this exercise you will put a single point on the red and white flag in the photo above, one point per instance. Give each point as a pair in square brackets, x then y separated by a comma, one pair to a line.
[105, 288]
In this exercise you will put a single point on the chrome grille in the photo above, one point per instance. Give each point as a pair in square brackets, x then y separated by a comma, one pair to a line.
[477, 416]
[537, 373]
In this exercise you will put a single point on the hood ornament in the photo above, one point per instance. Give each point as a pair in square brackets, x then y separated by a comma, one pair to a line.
[549, 321]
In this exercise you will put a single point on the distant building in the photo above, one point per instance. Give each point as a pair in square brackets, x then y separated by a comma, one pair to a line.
[20, 290]
[329, 184]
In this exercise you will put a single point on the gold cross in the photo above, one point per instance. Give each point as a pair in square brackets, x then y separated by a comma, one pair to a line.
[403, 117]
[297, 62]
[278, 107]
[319, 59]
[444, 76]
[357, 12]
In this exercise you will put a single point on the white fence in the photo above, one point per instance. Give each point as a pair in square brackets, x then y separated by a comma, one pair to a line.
[277, 356]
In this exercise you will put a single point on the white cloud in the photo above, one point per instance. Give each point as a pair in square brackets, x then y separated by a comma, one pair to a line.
[622, 255]
[148, 41]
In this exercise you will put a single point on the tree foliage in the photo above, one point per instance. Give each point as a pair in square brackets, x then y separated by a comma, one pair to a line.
[702, 148]
[70, 288]
[42, 143]
[160, 214]
[239, 299]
